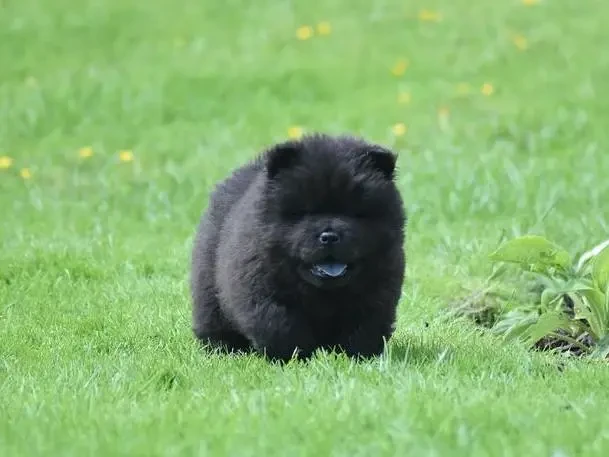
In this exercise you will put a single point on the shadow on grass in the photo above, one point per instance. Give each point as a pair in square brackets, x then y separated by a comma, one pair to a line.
[418, 352]
[415, 351]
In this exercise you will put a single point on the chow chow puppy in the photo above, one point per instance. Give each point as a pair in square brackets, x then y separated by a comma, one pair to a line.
[302, 248]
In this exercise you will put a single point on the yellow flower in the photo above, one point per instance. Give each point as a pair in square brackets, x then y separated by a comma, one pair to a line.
[125, 156]
[5, 162]
[324, 28]
[443, 114]
[463, 89]
[295, 132]
[443, 118]
[520, 41]
[304, 33]
[399, 129]
[400, 67]
[25, 173]
[30, 81]
[404, 98]
[487, 89]
[429, 16]
[530, 2]
[85, 152]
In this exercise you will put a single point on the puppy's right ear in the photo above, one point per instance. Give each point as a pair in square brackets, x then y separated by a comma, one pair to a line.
[282, 156]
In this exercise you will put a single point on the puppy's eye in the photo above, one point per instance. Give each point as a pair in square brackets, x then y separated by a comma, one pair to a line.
[293, 214]
[369, 211]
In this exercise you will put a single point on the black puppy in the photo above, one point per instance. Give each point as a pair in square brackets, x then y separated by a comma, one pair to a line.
[302, 249]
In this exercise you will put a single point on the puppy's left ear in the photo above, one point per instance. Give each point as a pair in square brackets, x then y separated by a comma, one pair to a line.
[383, 160]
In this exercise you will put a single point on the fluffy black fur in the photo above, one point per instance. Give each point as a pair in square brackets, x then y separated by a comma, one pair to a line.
[256, 281]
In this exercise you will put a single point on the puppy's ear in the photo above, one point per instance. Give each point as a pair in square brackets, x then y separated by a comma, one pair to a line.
[382, 159]
[282, 156]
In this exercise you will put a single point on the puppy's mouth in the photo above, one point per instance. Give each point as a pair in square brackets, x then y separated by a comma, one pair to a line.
[329, 269]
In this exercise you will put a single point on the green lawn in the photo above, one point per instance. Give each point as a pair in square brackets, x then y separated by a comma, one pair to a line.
[506, 113]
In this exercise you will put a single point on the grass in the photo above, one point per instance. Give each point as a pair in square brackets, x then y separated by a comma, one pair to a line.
[96, 352]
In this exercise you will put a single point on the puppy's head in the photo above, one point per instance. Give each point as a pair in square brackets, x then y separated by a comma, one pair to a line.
[332, 206]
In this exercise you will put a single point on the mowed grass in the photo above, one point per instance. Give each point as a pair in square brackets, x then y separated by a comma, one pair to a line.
[504, 107]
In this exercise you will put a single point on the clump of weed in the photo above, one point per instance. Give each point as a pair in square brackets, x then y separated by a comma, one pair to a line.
[557, 303]
[485, 302]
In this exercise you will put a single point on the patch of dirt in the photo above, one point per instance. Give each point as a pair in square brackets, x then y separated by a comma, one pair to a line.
[555, 343]
[479, 306]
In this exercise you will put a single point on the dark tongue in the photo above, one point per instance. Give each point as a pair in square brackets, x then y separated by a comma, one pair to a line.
[333, 270]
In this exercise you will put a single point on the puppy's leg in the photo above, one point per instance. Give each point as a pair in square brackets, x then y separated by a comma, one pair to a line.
[210, 326]
[368, 339]
[276, 331]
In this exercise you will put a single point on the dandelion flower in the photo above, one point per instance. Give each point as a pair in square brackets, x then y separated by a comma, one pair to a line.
[304, 33]
[295, 132]
[463, 89]
[125, 156]
[324, 28]
[443, 114]
[520, 41]
[444, 118]
[530, 2]
[399, 129]
[25, 173]
[5, 162]
[429, 16]
[487, 89]
[85, 152]
[400, 67]
[404, 98]
[30, 81]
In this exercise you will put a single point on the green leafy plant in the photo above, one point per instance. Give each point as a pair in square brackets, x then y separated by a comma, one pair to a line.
[572, 309]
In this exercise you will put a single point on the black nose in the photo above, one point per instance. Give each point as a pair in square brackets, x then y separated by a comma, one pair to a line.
[329, 237]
